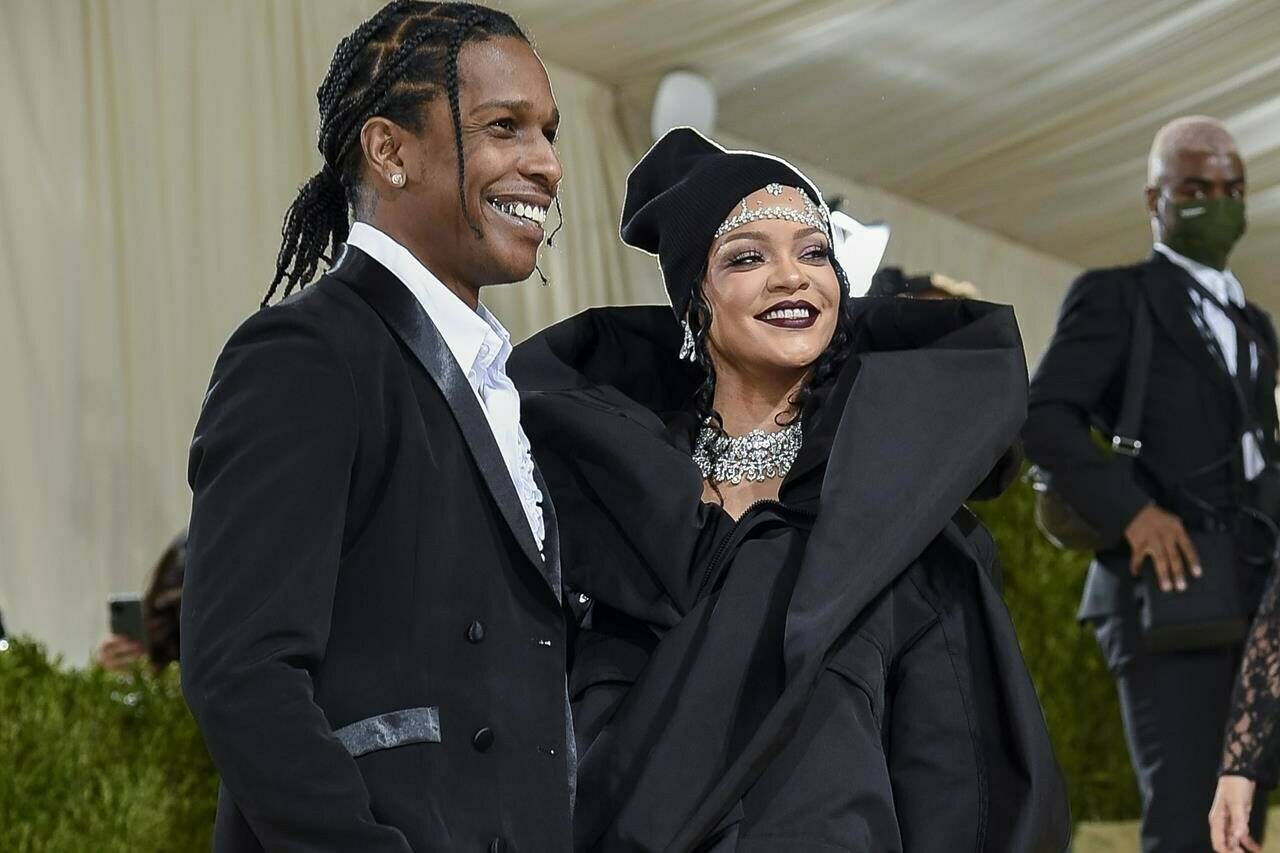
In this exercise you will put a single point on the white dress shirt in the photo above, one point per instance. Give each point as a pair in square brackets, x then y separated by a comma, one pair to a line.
[480, 345]
[1226, 290]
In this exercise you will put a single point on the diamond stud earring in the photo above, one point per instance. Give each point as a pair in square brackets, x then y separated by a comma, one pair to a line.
[397, 179]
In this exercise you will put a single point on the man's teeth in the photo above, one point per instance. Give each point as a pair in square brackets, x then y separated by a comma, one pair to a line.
[523, 211]
[788, 314]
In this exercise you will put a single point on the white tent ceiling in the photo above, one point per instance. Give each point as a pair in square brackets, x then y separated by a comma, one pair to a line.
[1029, 118]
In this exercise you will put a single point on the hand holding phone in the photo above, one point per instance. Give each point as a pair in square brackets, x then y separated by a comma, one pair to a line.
[126, 617]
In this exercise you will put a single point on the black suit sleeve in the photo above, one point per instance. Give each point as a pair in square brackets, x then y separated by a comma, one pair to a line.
[1087, 354]
[269, 470]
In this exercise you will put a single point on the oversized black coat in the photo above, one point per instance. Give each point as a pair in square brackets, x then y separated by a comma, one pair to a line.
[834, 671]
[372, 645]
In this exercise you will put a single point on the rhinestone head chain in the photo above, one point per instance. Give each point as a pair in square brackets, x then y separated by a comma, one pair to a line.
[800, 209]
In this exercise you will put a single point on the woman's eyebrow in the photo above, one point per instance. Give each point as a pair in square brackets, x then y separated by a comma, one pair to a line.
[744, 235]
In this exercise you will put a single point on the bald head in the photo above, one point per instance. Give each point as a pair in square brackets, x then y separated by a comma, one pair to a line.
[1193, 161]
[1190, 134]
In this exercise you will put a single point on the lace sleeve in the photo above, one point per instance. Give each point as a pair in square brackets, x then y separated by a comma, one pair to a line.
[1251, 742]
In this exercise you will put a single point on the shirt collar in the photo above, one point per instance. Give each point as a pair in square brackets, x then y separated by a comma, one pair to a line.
[479, 343]
[1221, 283]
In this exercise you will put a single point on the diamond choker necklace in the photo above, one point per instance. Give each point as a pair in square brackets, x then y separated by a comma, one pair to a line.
[756, 456]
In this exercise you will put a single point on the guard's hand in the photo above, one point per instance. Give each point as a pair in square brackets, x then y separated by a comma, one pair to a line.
[1229, 817]
[1160, 535]
[116, 653]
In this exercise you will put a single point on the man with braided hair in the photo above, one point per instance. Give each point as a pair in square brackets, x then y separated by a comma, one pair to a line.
[373, 637]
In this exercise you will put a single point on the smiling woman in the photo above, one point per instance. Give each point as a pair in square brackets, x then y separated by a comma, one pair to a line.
[790, 629]
[765, 314]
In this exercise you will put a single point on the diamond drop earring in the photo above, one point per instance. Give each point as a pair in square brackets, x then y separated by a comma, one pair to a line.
[687, 346]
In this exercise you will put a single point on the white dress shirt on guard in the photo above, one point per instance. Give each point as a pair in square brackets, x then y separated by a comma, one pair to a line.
[480, 345]
[1227, 290]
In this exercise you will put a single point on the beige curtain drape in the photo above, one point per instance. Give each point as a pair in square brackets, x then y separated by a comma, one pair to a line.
[148, 152]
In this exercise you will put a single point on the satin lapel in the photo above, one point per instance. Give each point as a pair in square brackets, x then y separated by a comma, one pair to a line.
[407, 319]
[1168, 289]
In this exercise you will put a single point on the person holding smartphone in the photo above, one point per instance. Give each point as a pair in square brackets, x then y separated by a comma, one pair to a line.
[147, 627]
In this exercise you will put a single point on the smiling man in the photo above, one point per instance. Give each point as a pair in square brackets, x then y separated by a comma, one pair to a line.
[373, 640]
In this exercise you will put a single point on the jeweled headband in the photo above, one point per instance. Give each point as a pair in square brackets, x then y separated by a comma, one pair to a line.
[812, 215]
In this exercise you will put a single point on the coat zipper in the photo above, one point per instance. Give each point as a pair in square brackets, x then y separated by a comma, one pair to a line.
[723, 547]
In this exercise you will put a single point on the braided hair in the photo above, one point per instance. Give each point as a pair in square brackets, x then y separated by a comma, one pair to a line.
[390, 66]
[825, 368]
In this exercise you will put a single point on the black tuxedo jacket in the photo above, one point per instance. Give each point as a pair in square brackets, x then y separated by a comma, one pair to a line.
[1191, 415]
[372, 644]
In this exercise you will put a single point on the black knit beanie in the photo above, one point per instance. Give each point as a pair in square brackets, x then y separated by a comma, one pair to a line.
[682, 190]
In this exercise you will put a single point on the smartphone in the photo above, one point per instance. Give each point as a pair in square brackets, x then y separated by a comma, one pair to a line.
[126, 616]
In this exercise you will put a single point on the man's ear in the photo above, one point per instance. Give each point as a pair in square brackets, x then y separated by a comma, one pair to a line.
[1153, 200]
[380, 140]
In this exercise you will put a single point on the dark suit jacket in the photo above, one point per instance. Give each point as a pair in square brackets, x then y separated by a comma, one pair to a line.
[1191, 415]
[372, 645]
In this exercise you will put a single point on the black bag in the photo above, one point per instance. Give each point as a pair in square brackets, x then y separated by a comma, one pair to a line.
[1058, 520]
[1209, 613]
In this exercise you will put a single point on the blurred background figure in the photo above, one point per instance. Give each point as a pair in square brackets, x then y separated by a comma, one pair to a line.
[1192, 428]
[161, 603]
[1251, 755]
[859, 247]
[891, 281]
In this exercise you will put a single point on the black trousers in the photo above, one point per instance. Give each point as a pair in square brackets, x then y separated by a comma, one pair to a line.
[1175, 707]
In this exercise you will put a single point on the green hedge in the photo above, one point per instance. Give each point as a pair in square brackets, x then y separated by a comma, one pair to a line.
[103, 762]
[94, 761]
[1042, 586]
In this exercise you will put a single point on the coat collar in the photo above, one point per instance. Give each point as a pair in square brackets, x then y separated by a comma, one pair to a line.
[933, 416]
[403, 314]
[579, 377]
[477, 339]
[1168, 290]
[623, 361]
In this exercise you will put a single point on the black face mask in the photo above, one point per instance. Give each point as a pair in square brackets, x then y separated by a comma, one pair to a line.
[1207, 231]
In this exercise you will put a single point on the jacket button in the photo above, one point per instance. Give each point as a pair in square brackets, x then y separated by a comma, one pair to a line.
[482, 739]
[497, 845]
[475, 632]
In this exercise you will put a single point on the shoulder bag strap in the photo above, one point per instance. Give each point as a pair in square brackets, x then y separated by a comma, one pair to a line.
[1124, 440]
